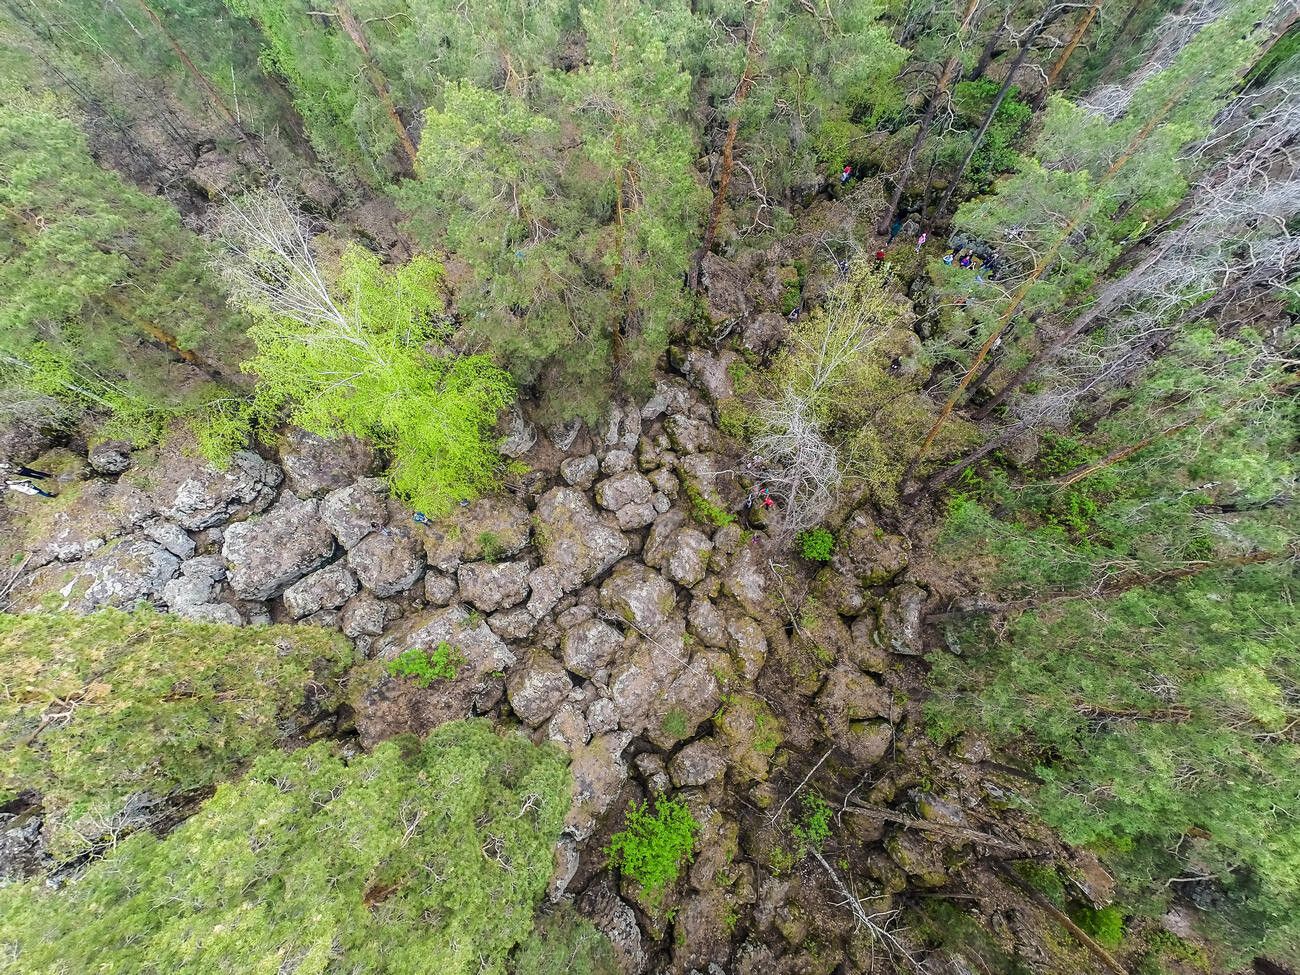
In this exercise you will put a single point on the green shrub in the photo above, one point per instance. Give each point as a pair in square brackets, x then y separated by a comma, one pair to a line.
[816, 544]
[705, 511]
[652, 849]
[102, 707]
[564, 943]
[418, 857]
[422, 669]
[1106, 924]
[814, 827]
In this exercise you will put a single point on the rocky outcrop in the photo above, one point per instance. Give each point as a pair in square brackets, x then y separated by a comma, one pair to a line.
[491, 586]
[388, 561]
[489, 528]
[393, 706]
[573, 542]
[315, 465]
[266, 555]
[196, 495]
[121, 575]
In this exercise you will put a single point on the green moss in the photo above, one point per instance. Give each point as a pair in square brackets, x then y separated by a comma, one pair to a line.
[705, 511]
[1106, 924]
[674, 724]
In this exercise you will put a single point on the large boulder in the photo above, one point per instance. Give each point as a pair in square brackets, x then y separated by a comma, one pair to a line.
[364, 615]
[491, 586]
[199, 583]
[327, 588]
[698, 763]
[121, 575]
[196, 495]
[536, 687]
[580, 472]
[680, 550]
[855, 711]
[393, 706]
[573, 540]
[353, 512]
[599, 775]
[110, 457]
[388, 561]
[639, 595]
[746, 581]
[314, 465]
[590, 646]
[266, 555]
[901, 617]
[489, 528]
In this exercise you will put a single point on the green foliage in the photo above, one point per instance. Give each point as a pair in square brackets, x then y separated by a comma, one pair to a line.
[106, 706]
[816, 544]
[705, 511]
[1159, 720]
[814, 827]
[674, 723]
[422, 669]
[997, 153]
[574, 276]
[652, 848]
[106, 303]
[562, 943]
[1106, 924]
[341, 111]
[416, 857]
[1153, 511]
[434, 413]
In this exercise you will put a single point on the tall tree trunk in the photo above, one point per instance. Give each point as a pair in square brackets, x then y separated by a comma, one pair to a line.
[377, 80]
[1039, 26]
[1039, 269]
[946, 78]
[743, 89]
[214, 94]
[1059, 65]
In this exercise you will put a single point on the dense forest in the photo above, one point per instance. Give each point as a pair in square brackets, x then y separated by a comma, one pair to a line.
[772, 487]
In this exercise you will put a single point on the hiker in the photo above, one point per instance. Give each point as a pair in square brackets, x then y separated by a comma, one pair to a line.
[421, 517]
[894, 228]
[27, 487]
[947, 258]
[920, 241]
[24, 471]
[880, 255]
[847, 174]
[965, 260]
[767, 500]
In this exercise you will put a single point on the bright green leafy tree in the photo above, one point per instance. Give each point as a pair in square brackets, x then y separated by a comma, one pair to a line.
[369, 360]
